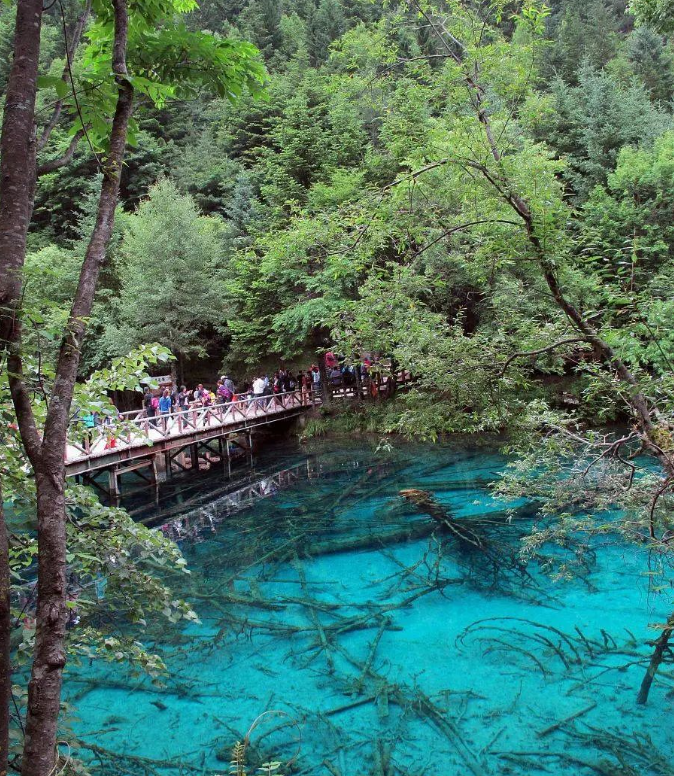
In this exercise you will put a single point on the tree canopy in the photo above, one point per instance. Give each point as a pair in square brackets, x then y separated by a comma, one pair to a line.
[479, 194]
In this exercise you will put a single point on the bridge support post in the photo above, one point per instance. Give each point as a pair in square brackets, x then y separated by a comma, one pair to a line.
[155, 479]
[168, 466]
[250, 448]
[194, 456]
[225, 458]
[114, 485]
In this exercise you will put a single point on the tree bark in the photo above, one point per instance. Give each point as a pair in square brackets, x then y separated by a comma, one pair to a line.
[17, 160]
[17, 184]
[44, 689]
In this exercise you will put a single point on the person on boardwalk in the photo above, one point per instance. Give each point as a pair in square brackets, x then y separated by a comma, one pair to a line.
[224, 394]
[183, 399]
[149, 406]
[315, 379]
[155, 410]
[165, 403]
[304, 382]
[258, 390]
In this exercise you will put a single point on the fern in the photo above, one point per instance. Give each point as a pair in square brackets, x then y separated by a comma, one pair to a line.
[270, 769]
[237, 766]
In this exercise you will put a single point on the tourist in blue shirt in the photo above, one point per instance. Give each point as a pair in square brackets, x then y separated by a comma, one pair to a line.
[165, 403]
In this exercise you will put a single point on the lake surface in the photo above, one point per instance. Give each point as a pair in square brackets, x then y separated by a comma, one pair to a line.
[374, 639]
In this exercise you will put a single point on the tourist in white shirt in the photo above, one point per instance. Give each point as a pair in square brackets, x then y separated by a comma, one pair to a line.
[258, 390]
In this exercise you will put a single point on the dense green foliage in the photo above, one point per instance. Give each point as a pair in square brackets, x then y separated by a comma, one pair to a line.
[306, 240]
[342, 211]
[359, 205]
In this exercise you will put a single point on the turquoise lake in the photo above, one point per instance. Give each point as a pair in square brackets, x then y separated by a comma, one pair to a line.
[375, 640]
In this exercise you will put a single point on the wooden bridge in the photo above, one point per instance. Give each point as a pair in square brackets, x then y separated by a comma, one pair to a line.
[153, 447]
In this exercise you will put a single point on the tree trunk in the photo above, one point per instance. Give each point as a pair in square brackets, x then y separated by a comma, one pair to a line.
[17, 160]
[5, 649]
[661, 645]
[44, 689]
[17, 184]
[49, 657]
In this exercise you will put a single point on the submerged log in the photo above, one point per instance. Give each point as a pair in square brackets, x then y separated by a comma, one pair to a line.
[374, 541]
[493, 562]
[413, 698]
[428, 505]
[580, 713]
[148, 764]
[313, 616]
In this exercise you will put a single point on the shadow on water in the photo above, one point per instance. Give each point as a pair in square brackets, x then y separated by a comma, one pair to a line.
[401, 634]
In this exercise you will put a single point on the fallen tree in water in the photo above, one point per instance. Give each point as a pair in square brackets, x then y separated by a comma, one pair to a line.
[488, 561]
[426, 503]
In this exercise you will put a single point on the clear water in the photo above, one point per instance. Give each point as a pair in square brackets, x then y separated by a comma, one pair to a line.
[377, 642]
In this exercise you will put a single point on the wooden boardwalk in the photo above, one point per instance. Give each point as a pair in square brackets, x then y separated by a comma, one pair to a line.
[152, 448]
[135, 442]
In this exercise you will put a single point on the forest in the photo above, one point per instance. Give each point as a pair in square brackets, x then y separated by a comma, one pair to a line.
[481, 192]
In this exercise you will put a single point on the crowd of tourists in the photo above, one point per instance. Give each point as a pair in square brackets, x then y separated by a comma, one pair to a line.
[261, 389]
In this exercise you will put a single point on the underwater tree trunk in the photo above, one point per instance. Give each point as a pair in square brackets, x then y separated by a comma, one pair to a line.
[5, 642]
[661, 646]
[428, 505]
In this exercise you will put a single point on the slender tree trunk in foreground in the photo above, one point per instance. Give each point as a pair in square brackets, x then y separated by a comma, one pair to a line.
[49, 658]
[17, 184]
[17, 160]
[44, 689]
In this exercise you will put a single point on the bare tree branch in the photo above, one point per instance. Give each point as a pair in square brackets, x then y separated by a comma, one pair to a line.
[71, 49]
[61, 161]
[547, 349]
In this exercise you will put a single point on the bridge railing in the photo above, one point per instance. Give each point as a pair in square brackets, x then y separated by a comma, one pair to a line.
[136, 427]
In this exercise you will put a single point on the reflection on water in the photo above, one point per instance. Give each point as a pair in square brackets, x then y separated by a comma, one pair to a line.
[388, 635]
